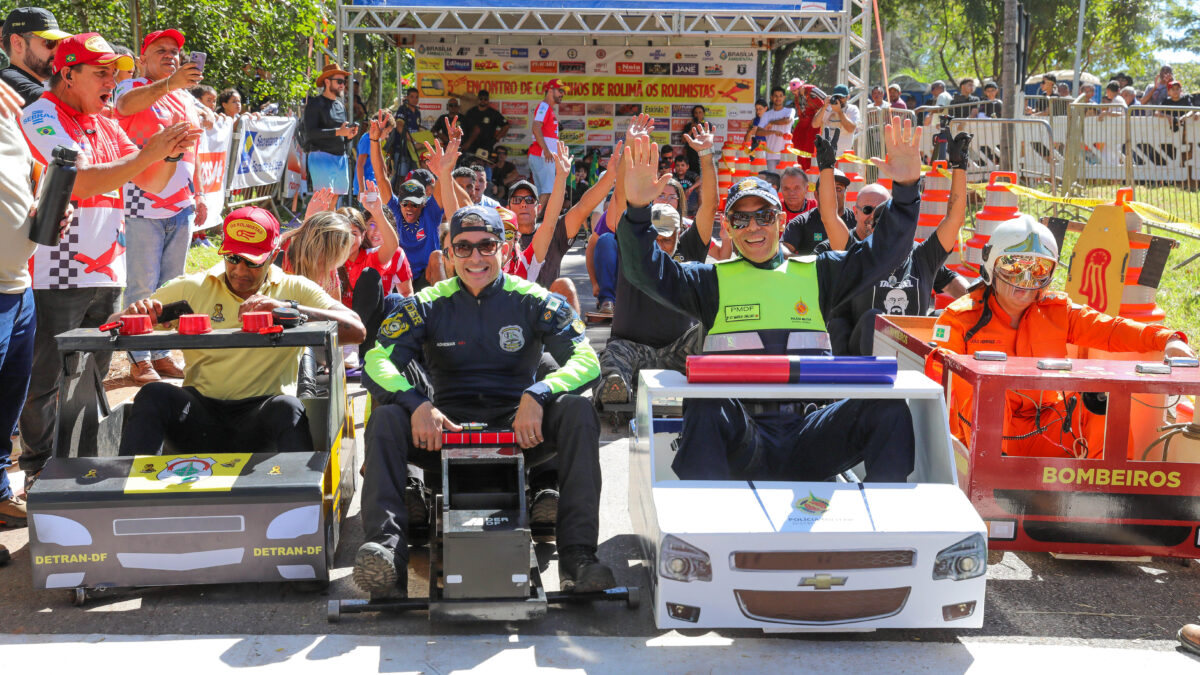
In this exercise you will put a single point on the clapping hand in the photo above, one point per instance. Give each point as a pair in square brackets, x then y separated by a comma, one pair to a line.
[322, 200]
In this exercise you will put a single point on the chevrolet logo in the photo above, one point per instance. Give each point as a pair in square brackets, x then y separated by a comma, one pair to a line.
[823, 582]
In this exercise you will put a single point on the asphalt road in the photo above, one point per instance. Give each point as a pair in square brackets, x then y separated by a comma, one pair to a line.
[1031, 598]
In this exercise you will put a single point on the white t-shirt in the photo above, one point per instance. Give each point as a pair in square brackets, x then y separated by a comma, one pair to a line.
[775, 144]
[835, 134]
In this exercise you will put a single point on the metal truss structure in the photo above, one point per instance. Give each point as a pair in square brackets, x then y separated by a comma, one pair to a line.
[731, 23]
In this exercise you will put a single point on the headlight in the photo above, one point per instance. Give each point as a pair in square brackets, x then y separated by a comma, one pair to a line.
[965, 560]
[681, 561]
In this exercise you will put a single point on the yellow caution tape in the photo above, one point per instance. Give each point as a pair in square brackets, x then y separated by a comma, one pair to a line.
[1146, 211]
[799, 153]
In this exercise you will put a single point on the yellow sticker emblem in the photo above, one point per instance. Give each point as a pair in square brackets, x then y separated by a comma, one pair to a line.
[747, 184]
[246, 231]
[97, 45]
[578, 326]
[184, 473]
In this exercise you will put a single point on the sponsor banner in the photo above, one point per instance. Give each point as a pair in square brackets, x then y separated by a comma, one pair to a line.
[656, 109]
[516, 66]
[574, 123]
[661, 137]
[214, 155]
[627, 68]
[601, 138]
[600, 109]
[656, 68]
[609, 89]
[543, 67]
[515, 108]
[571, 109]
[263, 145]
[458, 65]
[572, 137]
[629, 109]
[486, 66]
[599, 123]
[427, 63]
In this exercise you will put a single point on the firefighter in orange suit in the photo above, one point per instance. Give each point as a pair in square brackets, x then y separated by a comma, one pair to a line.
[1012, 312]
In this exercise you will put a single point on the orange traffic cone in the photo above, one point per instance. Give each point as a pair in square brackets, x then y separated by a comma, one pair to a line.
[998, 206]
[934, 200]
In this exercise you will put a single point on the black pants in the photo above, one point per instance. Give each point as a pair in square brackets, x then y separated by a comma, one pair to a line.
[572, 433]
[194, 422]
[59, 311]
[721, 440]
[367, 303]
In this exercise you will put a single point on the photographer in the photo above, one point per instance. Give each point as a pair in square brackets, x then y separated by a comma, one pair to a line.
[158, 227]
[838, 120]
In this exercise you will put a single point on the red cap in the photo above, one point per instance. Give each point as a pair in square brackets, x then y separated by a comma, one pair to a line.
[252, 233]
[86, 48]
[168, 33]
[554, 84]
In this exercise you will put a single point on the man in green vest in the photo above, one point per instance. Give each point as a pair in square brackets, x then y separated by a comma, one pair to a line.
[763, 302]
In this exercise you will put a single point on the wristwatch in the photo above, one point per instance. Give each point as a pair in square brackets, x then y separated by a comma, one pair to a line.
[293, 304]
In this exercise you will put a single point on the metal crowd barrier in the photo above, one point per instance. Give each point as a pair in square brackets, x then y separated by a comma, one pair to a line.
[1153, 149]
[268, 196]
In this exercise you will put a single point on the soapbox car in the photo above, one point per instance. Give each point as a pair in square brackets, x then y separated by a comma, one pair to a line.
[805, 556]
[98, 521]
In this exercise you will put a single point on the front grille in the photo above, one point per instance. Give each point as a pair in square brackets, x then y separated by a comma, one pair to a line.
[793, 561]
[821, 607]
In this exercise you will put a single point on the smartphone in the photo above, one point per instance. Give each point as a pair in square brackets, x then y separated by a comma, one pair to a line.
[197, 58]
[172, 312]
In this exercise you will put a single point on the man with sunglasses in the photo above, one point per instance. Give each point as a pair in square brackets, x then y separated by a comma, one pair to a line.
[480, 337]
[908, 289]
[233, 398]
[763, 302]
[29, 37]
[1014, 312]
[483, 125]
[327, 133]
[804, 232]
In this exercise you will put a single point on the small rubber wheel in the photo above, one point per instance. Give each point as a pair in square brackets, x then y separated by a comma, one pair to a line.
[78, 596]
[334, 612]
[633, 597]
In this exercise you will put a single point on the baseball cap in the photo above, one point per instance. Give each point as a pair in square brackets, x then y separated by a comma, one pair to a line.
[423, 176]
[85, 48]
[522, 185]
[36, 20]
[839, 177]
[751, 187]
[841, 90]
[168, 33]
[554, 84]
[412, 191]
[664, 219]
[476, 218]
[250, 232]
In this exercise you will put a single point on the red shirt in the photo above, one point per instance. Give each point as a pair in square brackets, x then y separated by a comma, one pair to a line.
[804, 136]
[545, 117]
[394, 273]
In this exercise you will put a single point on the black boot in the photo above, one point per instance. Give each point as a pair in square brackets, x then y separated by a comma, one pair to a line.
[579, 571]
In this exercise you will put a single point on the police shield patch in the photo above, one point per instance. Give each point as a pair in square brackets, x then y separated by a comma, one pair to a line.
[512, 338]
[393, 327]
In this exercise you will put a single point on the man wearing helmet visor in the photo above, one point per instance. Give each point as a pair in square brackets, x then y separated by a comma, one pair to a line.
[1013, 312]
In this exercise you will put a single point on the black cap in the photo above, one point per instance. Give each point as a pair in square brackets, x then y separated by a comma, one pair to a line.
[423, 176]
[411, 191]
[751, 187]
[34, 20]
[522, 185]
[476, 218]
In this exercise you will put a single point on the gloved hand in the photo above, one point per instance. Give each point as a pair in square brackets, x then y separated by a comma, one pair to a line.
[826, 154]
[956, 151]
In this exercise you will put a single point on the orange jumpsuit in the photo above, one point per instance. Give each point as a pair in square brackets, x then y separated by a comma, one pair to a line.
[1044, 331]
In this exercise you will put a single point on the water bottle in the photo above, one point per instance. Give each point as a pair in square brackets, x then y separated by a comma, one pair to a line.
[57, 185]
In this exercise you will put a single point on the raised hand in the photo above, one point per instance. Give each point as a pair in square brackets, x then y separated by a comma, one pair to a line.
[640, 125]
[441, 160]
[956, 151]
[455, 132]
[642, 182]
[902, 145]
[322, 200]
[701, 138]
[826, 154]
[563, 160]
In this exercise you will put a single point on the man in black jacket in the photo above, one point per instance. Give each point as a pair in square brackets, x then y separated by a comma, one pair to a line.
[326, 133]
[480, 336]
[29, 37]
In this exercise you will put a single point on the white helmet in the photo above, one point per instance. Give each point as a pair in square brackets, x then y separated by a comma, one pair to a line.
[1020, 236]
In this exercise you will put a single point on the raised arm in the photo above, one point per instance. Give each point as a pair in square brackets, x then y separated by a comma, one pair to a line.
[701, 140]
[136, 100]
[641, 125]
[383, 125]
[589, 200]
[388, 241]
[835, 230]
[545, 232]
[956, 210]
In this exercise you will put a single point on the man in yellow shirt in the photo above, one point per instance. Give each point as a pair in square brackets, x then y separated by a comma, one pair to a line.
[233, 398]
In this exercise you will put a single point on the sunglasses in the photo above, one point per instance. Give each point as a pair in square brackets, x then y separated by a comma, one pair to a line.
[336, 79]
[239, 260]
[487, 247]
[1013, 265]
[740, 220]
[522, 200]
[867, 210]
